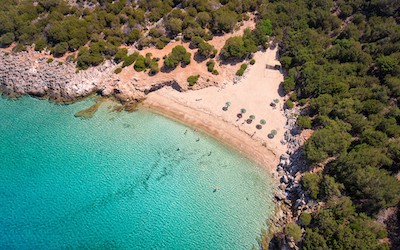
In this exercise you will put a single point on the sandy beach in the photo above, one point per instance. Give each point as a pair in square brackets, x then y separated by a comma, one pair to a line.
[203, 109]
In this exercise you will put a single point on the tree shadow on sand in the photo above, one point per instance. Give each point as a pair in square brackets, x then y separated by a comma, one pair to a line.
[281, 92]
[199, 58]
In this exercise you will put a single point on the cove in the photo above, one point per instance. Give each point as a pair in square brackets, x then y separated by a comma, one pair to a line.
[122, 181]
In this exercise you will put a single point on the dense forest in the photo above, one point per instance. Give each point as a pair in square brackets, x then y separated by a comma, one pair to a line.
[342, 69]
[98, 28]
[342, 61]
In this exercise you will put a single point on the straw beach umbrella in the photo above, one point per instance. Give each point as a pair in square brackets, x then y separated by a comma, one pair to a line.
[258, 126]
[252, 117]
[228, 104]
[274, 132]
[276, 100]
[242, 111]
[263, 122]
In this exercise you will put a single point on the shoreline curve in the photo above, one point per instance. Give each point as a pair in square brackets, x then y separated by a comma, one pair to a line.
[223, 131]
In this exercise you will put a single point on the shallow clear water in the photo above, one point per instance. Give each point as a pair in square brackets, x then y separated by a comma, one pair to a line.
[122, 180]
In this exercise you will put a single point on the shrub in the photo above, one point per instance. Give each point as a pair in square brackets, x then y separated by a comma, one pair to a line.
[210, 65]
[310, 183]
[289, 104]
[242, 69]
[186, 59]
[129, 60]
[288, 84]
[87, 58]
[195, 41]
[154, 69]
[60, 49]
[192, 80]
[19, 47]
[215, 72]
[304, 122]
[238, 47]
[40, 44]
[148, 60]
[50, 60]
[234, 48]
[120, 55]
[169, 62]
[305, 218]
[205, 49]
[252, 61]
[313, 240]
[302, 102]
[294, 231]
[117, 70]
[160, 44]
[330, 141]
[293, 97]
[214, 53]
[178, 55]
[7, 39]
[155, 32]
[140, 64]
[133, 36]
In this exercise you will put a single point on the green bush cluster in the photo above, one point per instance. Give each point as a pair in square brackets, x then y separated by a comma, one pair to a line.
[205, 49]
[350, 77]
[118, 70]
[293, 230]
[49, 23]
[304, 122]
[176, 57]
[210, 65]
[289, 104]
[7, 39]
[305, 218]
[241, 70]
[238, 47]
[129, 59]
[192, 80]
[142, 63]
[120, 55]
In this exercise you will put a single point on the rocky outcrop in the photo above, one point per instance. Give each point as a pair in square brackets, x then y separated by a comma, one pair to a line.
[291, 200]
[32, 74]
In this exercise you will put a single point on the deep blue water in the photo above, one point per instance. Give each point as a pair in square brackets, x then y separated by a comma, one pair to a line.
[122, 181]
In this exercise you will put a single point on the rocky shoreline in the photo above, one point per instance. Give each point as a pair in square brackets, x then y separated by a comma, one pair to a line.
[27, 73]
[290, 198]
[39, 75]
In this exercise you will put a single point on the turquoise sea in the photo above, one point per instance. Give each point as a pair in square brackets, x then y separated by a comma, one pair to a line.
[122, 181]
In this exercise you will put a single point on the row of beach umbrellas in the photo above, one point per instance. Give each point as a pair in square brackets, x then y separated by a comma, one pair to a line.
[252, 117]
